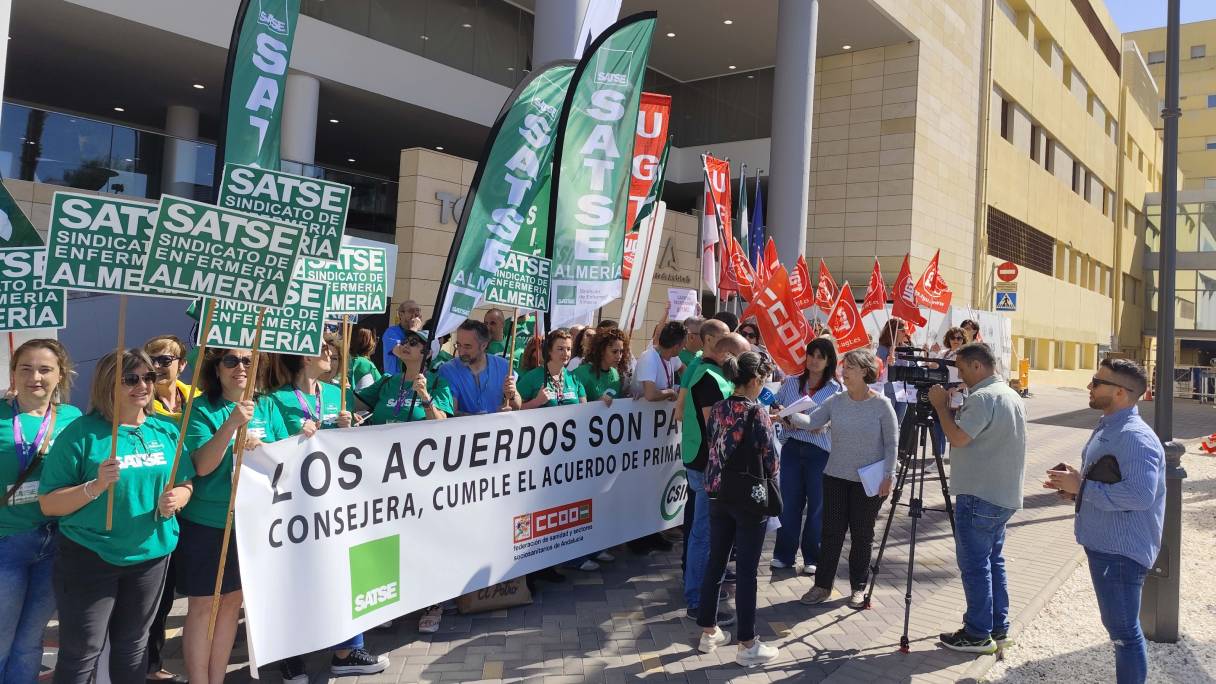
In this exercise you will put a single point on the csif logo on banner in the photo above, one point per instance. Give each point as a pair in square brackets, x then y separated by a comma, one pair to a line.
[375, 575]
[674, 496]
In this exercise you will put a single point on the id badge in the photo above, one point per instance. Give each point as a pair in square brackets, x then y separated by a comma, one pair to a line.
[26, 493]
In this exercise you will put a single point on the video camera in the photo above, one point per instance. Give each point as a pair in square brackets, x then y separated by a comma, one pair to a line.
[924, 371]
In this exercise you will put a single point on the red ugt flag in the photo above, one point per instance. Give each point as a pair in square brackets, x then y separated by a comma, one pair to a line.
[741, 271]
[769, 263]
[782, 325]
[800, 285]
[844, 321]
[931, 289]
[876, 292]
[904, 295]
[826, 292]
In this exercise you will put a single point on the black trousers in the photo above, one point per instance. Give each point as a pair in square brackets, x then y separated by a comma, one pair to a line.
[732, 529]
[847, 508]
[156, 635]
[96, 599]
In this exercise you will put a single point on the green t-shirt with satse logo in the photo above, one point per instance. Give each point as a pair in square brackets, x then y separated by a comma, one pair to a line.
[21, 513]
[530, 384]
[288, 404]
[209, 504]
[597, 383]
[145, 456]
[385, 396]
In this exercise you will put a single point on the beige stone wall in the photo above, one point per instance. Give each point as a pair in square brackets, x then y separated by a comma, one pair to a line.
[425, 231]
[35, 200]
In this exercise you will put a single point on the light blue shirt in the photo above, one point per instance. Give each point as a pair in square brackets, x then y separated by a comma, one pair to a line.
[1124, 518]
[789, 393]
[480, 394]
[389, 341]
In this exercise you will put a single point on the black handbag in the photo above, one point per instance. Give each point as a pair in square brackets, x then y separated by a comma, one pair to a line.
[754, 493]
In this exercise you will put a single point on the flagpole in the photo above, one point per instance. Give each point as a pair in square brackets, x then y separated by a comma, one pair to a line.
[654, 219]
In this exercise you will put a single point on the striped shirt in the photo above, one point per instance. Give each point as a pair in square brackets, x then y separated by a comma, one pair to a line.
[1124, 518]
[789, 393]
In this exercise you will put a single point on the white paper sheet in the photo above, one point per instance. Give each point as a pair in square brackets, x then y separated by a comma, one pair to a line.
[872, 476]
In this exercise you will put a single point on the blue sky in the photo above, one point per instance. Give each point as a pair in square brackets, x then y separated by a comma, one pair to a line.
[1136, 15]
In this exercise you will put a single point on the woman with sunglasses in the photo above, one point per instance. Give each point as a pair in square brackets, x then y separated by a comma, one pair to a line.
[108, 583]
[751, 332]
[29, 424]
[393, 396]
[217, 415]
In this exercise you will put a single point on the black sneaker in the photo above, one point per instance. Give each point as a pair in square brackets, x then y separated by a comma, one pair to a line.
[729, 577]
[358, 662]
[725, 619]
[961, 641]
[292, 669]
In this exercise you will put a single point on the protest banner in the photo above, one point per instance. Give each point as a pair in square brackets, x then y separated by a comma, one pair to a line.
[522, 282]
[296, 328]
[204, 250]
[358, 279]
[25, 303]
[98, 244]
[590, 197]
[320, 206]
[510, 190]
[353, 519]
[681, 303]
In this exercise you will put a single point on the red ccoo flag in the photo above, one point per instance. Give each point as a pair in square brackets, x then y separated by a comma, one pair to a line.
[782, 325]
[876, 292]
[844, 320]
[800, 285]
[903, 293]
[825, 293]
[931, 289]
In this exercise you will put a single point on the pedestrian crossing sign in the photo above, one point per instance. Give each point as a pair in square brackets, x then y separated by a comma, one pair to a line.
[1006, 301]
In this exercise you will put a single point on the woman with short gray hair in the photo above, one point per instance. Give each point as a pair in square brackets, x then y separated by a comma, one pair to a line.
[856, 445]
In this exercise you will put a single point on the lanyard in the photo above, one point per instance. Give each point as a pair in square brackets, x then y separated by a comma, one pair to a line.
[671, 374]
[559, 386]
[308, 409]
[405, 391]
[25, 452]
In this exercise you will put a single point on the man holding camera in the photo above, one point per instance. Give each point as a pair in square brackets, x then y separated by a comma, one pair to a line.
[987, 463]
[1120, 503]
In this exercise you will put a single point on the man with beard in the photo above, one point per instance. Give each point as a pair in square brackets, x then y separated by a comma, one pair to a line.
[480, 383]
[1120, 504]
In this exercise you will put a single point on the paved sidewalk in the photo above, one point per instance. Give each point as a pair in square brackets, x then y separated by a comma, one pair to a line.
[627, 621]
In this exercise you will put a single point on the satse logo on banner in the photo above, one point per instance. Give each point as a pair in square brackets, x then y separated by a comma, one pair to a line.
[551, 520]
[610, 78]
[375, 574]
[270, 21]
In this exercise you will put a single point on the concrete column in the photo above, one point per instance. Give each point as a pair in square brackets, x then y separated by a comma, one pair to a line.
[178, 170]
[557, 28]
[298, 136]
[789, 170]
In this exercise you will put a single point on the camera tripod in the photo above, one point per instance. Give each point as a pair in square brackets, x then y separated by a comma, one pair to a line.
[915, 444]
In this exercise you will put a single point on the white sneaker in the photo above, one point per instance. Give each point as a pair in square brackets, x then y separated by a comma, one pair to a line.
[589, 566]
[857, 600]
[710, 642]
[809, 569]
[778, 564]
[605, 557]
[757, 654]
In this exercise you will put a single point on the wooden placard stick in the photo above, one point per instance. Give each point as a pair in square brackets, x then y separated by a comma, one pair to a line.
[198, 363]
[238, 454]
[118, 358]
[344, 363]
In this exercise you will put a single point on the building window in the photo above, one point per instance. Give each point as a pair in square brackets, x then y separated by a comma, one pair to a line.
[1007, 120]
[1013, 240]
[1049, 160]
[1087, 191]
[1209, 183]
[1156, 57]
[1036, 151]
[1211, 101]
[1199, 51]
[1078, 176]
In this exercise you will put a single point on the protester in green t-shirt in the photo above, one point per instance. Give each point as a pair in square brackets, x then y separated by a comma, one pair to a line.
[363, 372]
[215, 419]
[395, 396]
[497, 324]
[551, 384]
[602, 372]
[108, 581]
[30, 421]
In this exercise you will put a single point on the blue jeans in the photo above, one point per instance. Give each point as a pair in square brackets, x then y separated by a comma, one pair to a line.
[980, 540]
[26, 602]
[354, 643]
[698, 540]
[802, 465]
[1117, 583]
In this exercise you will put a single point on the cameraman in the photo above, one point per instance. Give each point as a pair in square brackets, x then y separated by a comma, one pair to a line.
[987, 462]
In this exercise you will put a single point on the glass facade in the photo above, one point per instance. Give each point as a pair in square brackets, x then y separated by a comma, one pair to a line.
[76, 152]
[1196, 227]
[720, 109]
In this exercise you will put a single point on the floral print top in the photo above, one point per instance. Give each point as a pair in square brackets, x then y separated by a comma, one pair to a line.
[728, 428]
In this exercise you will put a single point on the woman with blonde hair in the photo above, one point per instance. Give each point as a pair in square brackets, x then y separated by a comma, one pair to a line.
[41, 376]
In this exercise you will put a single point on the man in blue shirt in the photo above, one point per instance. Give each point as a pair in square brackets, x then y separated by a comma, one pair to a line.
[480, 383]
[409, 317]
[1120, 504]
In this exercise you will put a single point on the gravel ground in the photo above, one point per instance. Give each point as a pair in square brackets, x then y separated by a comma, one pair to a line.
[1067, 642]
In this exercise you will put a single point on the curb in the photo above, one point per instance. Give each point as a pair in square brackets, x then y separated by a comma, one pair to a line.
[976, 671]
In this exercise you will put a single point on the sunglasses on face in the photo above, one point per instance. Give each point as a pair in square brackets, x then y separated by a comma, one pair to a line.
[164, 360]
[134, 379]
[957, 338]
[411, 342]
[751, 335]
[1098, 382]
[231, 361]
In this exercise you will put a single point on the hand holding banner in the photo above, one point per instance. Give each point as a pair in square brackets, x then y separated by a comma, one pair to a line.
[782, 325]
[844, 320]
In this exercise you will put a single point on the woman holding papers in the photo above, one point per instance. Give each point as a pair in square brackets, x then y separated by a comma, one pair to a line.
[858, 475]
[411, 394]
[41, 379]
[108, 582]
[214, 420]
[804, 454]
